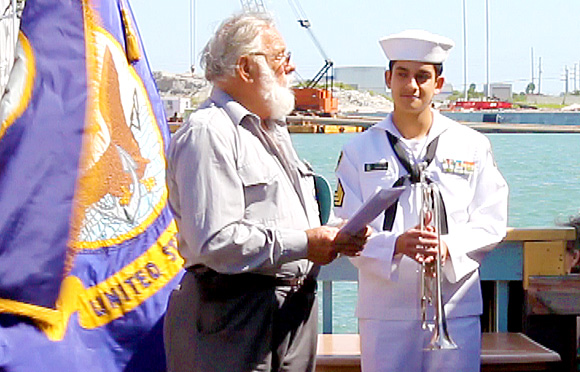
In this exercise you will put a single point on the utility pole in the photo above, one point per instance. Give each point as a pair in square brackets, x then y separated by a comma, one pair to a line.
[464, 54]
[532, 68]
[575, 77]
[487, 46]
[567, 79]
[540, 76]
[565, 84]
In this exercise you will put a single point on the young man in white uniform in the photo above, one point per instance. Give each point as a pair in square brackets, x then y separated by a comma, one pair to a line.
[474, 195]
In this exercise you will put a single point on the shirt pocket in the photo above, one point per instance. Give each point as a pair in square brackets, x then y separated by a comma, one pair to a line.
[260, 191]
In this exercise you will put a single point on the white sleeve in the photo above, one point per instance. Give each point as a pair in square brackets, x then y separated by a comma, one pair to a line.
[377, 255]
[486, 224]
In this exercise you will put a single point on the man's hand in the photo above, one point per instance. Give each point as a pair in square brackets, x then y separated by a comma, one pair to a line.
[325, 243]
[321, 248]
[352, 245]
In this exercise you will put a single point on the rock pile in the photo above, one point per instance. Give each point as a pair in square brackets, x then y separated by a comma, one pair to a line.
[197, 88]
[182, 85]
[363, 102]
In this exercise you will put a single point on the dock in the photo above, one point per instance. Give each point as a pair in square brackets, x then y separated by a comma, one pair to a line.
[529, 312]
[499, 352]
[328, 125]
[343, 124]
[355, 124]
[522, 128]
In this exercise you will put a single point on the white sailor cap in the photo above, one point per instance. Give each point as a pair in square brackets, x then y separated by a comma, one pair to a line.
[416, 45]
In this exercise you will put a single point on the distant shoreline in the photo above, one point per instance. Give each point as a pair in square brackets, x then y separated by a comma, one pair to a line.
[311, 124]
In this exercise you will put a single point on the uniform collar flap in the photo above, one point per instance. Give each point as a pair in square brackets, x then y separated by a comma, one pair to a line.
[440, 125]
[234, 109]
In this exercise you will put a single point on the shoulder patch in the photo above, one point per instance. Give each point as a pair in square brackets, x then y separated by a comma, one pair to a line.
[338, 195]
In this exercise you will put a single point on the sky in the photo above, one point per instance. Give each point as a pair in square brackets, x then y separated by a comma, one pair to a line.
[349, 30]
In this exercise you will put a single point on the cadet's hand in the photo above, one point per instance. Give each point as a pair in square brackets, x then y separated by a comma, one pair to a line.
[430, 259]
[444, 251]
[419, 245]
[321, 247]
[352, 245]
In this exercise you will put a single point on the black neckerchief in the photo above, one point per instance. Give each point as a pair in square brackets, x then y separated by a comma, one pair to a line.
[413, 176]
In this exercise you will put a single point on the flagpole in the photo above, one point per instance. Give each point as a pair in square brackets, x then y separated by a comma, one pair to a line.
[487, 47]
[192, 35]
[14, 24]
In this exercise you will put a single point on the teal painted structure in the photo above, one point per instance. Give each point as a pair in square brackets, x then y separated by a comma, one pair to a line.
[501, 266]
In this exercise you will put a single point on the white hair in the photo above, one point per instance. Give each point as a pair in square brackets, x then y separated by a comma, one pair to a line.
[236, 36]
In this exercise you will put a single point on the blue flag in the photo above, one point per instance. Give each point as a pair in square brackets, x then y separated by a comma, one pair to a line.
[87, 242]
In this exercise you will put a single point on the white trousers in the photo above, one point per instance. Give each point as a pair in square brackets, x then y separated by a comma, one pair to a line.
[398, 346]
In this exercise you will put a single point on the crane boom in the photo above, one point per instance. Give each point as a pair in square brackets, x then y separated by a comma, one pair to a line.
[328, 64]
[311, 98]
[306, 24]
[308, 98]
[253, 6]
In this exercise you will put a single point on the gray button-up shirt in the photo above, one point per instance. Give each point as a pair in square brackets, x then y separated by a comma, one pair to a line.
[241, 197]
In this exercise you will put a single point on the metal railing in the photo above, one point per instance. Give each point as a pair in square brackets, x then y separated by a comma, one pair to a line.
[523, 253]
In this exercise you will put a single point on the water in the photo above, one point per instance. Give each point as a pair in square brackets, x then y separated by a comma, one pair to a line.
[542, 172]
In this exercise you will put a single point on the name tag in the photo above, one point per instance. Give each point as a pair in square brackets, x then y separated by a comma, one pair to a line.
[382, 166]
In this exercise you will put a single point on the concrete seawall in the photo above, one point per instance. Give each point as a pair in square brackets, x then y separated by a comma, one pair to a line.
[516, 117]
[300, 124]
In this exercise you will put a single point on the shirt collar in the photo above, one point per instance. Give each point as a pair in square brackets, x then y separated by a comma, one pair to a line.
[233, 109]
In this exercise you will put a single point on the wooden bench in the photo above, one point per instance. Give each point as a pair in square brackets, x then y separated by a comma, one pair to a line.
[552, 307]
[500, 352]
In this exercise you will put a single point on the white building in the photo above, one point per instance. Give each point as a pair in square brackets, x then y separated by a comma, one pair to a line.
[501, 91]
[445, 92]
[363, 78]
[369, 78]
[175, 106]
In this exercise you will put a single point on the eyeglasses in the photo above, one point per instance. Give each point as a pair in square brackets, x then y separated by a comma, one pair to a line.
[282, 59]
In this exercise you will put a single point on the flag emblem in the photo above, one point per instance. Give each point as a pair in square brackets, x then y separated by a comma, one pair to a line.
[123, 177]
[88, 245]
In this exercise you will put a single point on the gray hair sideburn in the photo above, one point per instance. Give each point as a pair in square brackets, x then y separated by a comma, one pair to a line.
[236, 36]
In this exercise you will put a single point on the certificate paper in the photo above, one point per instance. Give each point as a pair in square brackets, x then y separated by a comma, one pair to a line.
[371, 208]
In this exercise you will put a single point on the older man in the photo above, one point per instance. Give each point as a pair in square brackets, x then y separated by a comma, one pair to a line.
[248, 220]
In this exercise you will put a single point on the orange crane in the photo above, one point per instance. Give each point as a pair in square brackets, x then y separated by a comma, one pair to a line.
[309, 97]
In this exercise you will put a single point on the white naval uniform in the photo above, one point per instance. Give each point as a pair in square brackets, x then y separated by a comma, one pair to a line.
[475, 196]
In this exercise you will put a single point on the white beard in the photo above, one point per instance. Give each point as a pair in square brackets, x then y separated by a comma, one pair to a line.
[278, 98]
